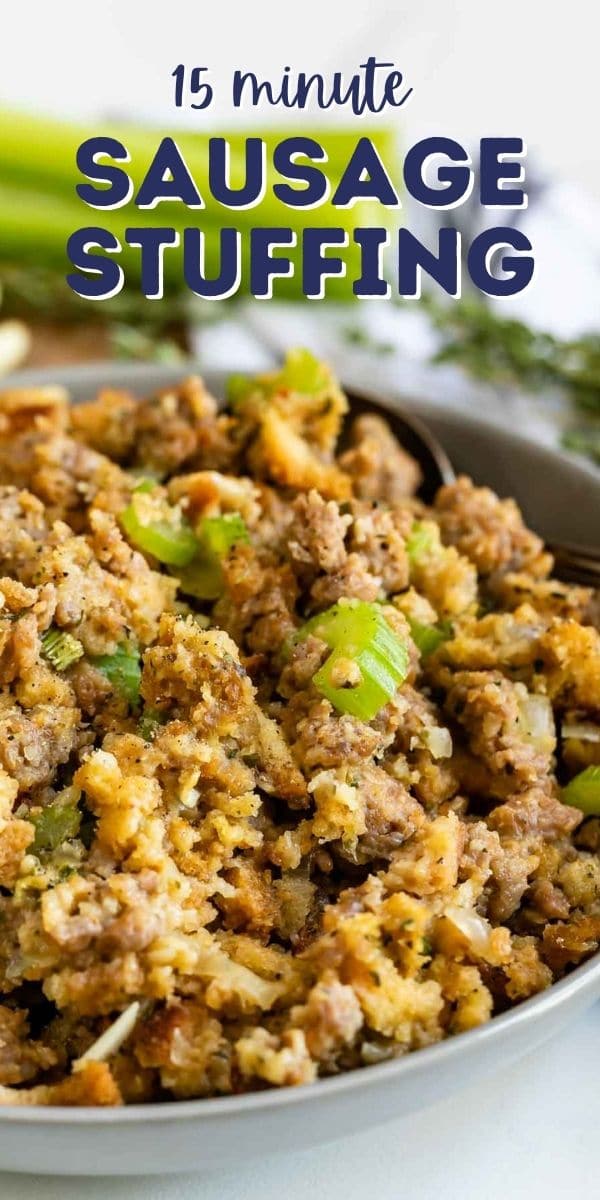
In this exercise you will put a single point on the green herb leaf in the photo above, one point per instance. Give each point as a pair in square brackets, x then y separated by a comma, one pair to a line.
[55, 824]
[505, 352]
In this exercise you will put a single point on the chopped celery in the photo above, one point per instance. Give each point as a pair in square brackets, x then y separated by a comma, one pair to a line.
[364, 699]
[239, 387]
[149, 722]
[39, 208]
[201, 579]
[54, 824]
[352, 625]
[171, 541]
[427, 638]
[583, 731]
[216, 536]
[61, 649]
[583, 792]
[419, 542]
[145, 484]
[359, 637]
[123, 671]
[302, 372]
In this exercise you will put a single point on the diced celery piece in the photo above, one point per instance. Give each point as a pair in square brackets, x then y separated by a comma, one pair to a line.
[145, 484]
[419, 542]
[123, 671]
[218, 534]
[173, 543]
[302, 372]
[239, 387]
[583, 792]
[358, 632]
[150, 722]
[61, 649]
[427, 638]
[203, 577]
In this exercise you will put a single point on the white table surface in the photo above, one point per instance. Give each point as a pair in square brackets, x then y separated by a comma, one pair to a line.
[530, 1131]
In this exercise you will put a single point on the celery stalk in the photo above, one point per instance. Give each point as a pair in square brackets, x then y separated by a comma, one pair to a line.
[39, 207]
[34, 148]
[583, 791]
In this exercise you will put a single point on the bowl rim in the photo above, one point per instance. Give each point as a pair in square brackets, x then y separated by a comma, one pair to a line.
[410, 1065]
[144, 374]
[583, 978]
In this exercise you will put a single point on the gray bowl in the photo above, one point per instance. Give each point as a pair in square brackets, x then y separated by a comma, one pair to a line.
[562, 501]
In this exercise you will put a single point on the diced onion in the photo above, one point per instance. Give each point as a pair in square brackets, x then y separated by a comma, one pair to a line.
[438, 741]
[15, 343]
[472, 926]
[584, 731]
[112, 1039]
[537, 719]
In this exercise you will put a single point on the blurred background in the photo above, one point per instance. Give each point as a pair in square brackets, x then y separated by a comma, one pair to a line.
[522, 68]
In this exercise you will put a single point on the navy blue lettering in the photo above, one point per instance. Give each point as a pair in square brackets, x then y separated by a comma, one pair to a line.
[103, 276]
[518, 269]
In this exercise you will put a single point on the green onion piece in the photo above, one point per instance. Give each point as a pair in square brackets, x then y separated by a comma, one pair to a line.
[169, 542]
[55, 823]
[123, 671]
[61, 649]
[358, 631]
[203, 577]
[419, 542]
[427, 638]
[583, 792]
